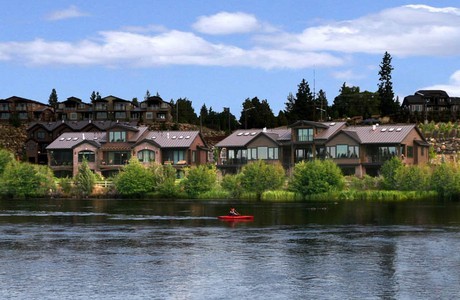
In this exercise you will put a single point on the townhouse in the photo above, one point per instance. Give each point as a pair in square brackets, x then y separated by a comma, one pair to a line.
[108, 151]
[357, 150]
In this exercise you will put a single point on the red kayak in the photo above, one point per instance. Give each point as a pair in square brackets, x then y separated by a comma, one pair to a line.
[235, 218]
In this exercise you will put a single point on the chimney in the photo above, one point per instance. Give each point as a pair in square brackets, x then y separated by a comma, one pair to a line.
[374, 127]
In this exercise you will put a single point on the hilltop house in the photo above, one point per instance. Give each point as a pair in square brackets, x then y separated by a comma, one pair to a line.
[356, 150]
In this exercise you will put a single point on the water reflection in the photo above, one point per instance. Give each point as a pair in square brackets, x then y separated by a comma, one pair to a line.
[81, 249]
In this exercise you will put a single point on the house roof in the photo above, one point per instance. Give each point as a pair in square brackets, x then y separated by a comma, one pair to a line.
[330, 129]
[241, 138]
[386, 134]
[171, 139]
[69, 140]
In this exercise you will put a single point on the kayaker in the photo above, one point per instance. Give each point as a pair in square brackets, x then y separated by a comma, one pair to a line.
[233, 212]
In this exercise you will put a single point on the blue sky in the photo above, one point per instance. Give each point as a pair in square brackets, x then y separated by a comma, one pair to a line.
[219, 53]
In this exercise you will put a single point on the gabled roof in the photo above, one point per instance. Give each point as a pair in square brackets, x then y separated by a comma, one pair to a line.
[241, 138]
[330, 129]
[114, 99]
[69, 140]
[386, 134]
[171, 139]
[301, 123]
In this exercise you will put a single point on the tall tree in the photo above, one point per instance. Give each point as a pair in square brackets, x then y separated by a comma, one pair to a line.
[257, 114]
[388, 105]
[321, 105]
[184, 111]
[53, 100]
[352, 102]
[302, 107]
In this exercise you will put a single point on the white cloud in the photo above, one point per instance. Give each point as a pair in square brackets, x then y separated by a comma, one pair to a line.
[452, 87]
[68, 13]
[405, 30]
[116, 48]
[227, 23]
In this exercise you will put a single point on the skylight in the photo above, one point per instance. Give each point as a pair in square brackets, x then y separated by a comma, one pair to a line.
[398, 129]
[383, 130]
[239, 134]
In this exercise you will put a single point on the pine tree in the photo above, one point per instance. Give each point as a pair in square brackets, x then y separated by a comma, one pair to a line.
[53, 100]
[388, 105]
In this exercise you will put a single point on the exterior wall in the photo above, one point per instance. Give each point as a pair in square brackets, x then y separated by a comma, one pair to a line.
[151, 147]
[417, 158]
[92, 165]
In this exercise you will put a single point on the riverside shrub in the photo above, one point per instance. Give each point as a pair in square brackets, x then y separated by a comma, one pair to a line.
[316, 177]
[258, 177]
[85, 179]
[389, 170]
[134, 180]
[200, 179]
[445, 180]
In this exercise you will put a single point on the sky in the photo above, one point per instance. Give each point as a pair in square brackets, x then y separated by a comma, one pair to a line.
[219, 53]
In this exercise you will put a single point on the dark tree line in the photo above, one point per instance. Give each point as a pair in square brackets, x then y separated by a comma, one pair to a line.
[304, 105]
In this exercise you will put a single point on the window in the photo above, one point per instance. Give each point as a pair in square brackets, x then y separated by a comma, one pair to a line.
[41, 135]
[73, 116]
[260, 153]
[149, 115]
[273, 153]
[146, 155]
[101, 115]
[89, 155]
[161, 116]
[120, 115]
[117, 136]
[118, 157]
[193, 156]
[305, 134]
[343, 151]
[410, 151]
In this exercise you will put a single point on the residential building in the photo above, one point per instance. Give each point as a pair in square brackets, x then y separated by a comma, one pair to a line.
[357, 150]
[24, 110]
[108, 151]
[430, 105]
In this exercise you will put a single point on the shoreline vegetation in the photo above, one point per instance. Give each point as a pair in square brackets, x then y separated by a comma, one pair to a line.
[317, 180]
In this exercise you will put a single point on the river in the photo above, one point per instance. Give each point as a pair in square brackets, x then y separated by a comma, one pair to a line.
[115, 249]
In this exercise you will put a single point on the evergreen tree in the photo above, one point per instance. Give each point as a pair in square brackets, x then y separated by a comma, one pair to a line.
[302, 106]
[53, 100]
[321, 105]
[388, 105]
[135, 102]
[85, 179]
[257, 114]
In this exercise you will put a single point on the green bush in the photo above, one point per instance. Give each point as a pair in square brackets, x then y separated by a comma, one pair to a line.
[134, 180]
[5, 157]
[316, 177]
[232, 184]
[26, 180]
[445, 180]
[389, 170]
[412, 178]
[258, 177]
[199, 179]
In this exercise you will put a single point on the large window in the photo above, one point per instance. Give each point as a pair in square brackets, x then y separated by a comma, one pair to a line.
[117, 136]
[174, 156]
[343, 151]
[89, 155]
[146, 155]
[303, 154]
[305, 134]
[118, 157]
[270, 153]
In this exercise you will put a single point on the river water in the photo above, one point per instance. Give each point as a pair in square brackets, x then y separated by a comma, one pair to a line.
[114, 249]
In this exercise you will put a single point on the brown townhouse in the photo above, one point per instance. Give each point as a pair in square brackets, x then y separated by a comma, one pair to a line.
[357, 150]
[108, 151]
